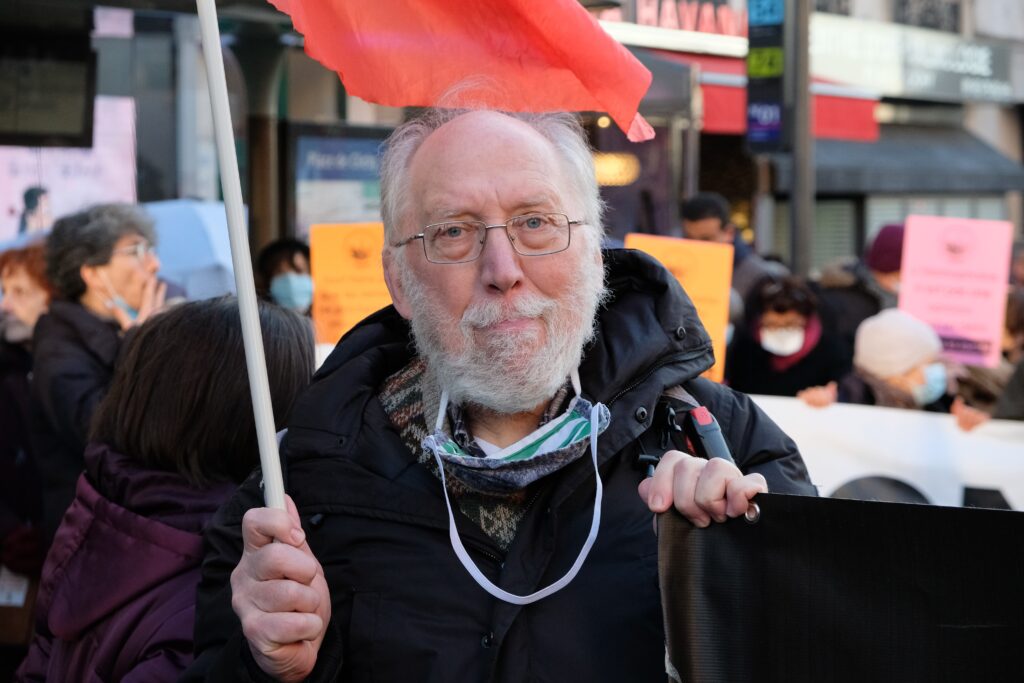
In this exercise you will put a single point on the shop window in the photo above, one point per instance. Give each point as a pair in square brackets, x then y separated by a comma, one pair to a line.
[942, 15]
[881, 210]
[835, 230]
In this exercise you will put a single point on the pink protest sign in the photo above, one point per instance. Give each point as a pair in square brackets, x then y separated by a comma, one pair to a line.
[954, 277]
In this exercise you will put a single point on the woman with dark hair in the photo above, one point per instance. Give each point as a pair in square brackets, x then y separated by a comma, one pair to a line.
[102, 267]
[171, 441]
[785, 348]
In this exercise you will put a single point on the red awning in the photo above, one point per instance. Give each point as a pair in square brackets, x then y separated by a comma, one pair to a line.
[839, 113]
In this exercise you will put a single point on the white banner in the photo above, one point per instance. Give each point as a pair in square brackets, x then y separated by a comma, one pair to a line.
[926, 451]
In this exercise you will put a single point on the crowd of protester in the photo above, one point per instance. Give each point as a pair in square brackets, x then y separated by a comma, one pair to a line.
[839, 337]
[115, 395]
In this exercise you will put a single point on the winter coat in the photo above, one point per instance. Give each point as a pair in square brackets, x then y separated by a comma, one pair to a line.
[748, 367]
[117, 597]
[20, 493]
[1010, 405]
[74, 360]
[403, 607]
[848, 295]
[750, 271]
[859, 388]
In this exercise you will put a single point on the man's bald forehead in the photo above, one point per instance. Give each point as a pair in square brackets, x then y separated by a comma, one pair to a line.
[484, 125]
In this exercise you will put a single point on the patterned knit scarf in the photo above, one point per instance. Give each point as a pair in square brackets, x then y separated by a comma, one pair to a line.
[407, 397]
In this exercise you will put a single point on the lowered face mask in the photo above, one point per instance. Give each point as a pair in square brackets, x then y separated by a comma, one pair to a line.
[118, 301]
[783, 341]
[514, 467]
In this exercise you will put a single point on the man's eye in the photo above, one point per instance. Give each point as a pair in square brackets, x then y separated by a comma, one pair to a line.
[534, 222]
[452, 231]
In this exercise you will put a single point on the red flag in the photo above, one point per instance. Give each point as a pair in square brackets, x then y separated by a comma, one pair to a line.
[547, 55]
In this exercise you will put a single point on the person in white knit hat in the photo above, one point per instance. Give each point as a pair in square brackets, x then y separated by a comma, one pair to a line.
[895, 364]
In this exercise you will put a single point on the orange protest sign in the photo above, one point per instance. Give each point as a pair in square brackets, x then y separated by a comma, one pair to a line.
[704, 269]
[348, 276]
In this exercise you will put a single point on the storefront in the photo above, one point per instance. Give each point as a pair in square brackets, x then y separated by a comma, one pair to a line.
[709, 37]
[931, 156]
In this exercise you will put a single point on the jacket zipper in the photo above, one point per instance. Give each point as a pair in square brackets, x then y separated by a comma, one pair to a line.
[654, 368]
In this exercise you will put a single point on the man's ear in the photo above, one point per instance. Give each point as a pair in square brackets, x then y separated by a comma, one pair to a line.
[393, 279]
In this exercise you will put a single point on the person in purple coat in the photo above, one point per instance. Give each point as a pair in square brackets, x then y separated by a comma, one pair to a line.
[169, 443]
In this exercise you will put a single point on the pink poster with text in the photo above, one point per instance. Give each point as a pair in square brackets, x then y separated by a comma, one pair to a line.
[954, 277]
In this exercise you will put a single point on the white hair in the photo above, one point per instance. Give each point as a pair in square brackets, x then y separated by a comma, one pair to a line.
[562, 130]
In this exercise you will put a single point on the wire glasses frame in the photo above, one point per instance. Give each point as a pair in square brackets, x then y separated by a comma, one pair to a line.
[534, 234]
[139, 250]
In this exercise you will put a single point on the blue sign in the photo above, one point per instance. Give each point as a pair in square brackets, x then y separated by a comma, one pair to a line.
[326, 158]
[765, 12]
[764, 122]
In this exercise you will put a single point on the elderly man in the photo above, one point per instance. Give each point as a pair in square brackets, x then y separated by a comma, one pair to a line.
[447, 522]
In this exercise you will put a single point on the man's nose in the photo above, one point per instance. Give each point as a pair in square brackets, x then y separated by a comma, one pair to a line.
[501, 266]
[152, 262]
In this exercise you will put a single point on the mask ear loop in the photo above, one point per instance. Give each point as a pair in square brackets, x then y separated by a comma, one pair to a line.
[595, 524]
[439, 423]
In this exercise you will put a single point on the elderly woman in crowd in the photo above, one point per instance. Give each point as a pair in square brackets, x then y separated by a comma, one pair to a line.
[26, 297]
[103, 270]
[171, 441]
[895, 364]
[785, 347]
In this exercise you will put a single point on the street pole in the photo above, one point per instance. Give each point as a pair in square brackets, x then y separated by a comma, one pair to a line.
[252, 337]
[801, 215]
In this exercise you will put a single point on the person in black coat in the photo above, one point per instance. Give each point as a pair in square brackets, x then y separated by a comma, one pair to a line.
[851, 292]
[103, 269]
[784, 348]
[469, 504]
[26, 296]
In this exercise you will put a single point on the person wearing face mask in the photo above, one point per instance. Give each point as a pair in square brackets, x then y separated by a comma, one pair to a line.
[784, 347]
[104, 273]
[896, 365]
[284, 274]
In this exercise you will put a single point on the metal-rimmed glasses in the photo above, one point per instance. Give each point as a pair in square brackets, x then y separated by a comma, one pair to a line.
[140, 250]
[532, 234]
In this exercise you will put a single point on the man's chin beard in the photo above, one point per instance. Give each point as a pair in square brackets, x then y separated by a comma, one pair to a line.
[512, 375]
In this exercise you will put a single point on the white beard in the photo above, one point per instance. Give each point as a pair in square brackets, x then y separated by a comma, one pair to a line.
[506, 372]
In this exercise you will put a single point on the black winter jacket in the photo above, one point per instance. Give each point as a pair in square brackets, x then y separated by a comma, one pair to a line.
[403, 608]
[73, 364]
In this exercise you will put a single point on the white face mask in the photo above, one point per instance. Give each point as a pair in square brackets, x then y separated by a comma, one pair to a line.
[541, 443]
[783, 341]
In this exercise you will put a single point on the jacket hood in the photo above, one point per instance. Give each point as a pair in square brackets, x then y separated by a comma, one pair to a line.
[648, 328]
[104, 555]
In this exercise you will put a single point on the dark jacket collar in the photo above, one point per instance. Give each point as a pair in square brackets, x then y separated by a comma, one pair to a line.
[101, 337]
[648, 335]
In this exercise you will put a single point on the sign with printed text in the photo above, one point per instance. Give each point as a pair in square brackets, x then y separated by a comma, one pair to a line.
[704, 269]
[954, 277]
[348, 276]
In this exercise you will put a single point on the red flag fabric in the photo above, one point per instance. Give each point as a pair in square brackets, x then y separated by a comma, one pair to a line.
[516, 55]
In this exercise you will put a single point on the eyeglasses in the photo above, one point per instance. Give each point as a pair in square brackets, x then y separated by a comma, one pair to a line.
[533, 234]
[140, 250]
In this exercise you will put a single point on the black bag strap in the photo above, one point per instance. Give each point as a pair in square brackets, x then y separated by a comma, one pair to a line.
[681, 423]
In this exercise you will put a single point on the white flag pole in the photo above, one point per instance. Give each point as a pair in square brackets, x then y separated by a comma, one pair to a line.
[273, 484]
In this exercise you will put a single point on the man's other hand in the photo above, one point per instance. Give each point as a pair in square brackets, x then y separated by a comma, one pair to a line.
[702, 490]
[279, 593]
